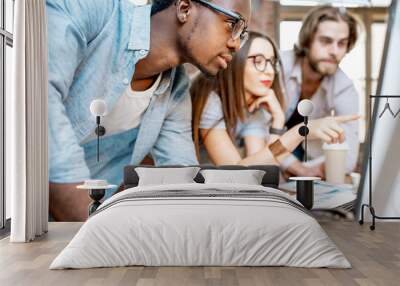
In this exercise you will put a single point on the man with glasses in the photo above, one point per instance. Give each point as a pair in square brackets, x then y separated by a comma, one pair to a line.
[312, 72]
[130, 56]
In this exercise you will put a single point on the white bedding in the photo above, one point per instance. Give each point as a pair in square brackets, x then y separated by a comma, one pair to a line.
[220, 226]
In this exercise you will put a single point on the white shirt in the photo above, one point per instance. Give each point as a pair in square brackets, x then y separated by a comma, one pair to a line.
[140, 2]
[127, 112]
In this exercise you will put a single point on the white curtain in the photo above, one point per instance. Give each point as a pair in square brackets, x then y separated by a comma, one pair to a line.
[27, 120]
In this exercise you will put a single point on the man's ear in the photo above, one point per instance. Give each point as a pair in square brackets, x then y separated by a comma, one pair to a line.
[183, 9]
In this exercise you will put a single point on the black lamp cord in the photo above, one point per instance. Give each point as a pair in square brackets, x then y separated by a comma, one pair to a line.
[98, 137]
[305, 137]
[100, 131]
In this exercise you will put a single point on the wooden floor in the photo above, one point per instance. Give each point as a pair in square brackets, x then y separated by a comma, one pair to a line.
[375, 257]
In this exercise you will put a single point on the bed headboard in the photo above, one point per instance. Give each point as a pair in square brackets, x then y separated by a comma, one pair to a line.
[270, 179]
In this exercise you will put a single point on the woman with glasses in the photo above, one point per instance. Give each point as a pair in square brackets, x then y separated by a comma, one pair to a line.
[244, 105]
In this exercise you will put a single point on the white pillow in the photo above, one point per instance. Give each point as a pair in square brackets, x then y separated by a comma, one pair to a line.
[248, 177]
[166, 176]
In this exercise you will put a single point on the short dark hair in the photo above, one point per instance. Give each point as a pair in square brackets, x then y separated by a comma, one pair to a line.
[159, 5]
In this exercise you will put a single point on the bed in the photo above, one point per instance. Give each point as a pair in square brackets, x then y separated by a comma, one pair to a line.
[201, 224]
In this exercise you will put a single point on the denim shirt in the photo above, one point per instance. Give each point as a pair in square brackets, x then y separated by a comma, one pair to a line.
[93, 46]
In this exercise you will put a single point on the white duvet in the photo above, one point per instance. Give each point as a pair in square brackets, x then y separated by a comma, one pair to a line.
[203, 225]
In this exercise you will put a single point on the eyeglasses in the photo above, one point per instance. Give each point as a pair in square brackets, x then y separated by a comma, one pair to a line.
[261, 63]
[239, 28]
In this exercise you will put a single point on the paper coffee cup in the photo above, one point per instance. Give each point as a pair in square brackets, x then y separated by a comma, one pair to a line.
[335, 162]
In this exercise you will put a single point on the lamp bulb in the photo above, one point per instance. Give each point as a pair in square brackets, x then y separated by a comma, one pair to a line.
[98, 107]
[305, 107]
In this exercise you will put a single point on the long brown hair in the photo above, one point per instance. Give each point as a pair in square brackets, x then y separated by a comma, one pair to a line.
[319, 15]
[229, 85]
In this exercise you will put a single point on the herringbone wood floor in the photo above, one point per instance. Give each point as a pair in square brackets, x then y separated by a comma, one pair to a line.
[375, 257]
